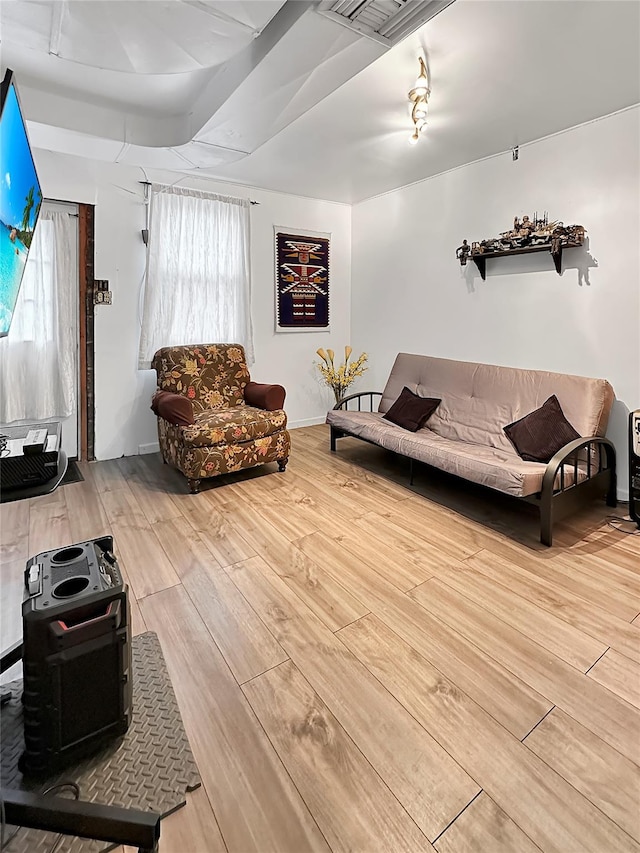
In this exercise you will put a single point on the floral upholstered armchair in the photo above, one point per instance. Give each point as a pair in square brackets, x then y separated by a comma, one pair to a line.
[211, 418]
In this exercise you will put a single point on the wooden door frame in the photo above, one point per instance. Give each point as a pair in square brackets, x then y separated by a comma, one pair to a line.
[86, 264]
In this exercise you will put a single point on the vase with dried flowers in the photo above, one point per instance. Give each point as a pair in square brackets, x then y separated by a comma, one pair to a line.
[339, 378]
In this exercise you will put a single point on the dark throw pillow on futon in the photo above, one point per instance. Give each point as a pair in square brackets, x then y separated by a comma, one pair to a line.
[410, 411]
[541, 434]
[172, 407]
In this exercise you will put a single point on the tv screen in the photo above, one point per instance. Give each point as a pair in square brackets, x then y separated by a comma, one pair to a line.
[20, 200]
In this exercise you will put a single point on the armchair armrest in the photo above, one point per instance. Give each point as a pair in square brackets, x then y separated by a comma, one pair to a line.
[369, 394]
[174, 408]
[264, 396]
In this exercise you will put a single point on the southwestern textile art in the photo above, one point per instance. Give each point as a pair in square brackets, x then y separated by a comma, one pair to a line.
[302, 282]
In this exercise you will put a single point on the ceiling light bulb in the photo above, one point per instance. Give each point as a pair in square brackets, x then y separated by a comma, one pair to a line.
[420, 111]
[420, 89]
[414, 137]
[420, 123]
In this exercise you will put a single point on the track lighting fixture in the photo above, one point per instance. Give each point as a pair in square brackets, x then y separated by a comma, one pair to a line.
[419, 96]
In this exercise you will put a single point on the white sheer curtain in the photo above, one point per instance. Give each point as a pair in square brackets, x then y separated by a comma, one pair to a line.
[197, 286]
[38, 374]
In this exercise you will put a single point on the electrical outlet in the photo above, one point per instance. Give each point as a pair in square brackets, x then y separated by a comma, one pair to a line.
[102, 297]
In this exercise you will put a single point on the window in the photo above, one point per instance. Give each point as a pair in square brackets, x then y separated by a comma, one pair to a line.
[38, 372]
[197, 286]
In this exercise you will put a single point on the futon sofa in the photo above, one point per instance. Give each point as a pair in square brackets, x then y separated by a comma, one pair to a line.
[212, 419]
[465, 434]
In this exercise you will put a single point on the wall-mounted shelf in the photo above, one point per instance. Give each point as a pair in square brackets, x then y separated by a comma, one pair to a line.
[481, 258]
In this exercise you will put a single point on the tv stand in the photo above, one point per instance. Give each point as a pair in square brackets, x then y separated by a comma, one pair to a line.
[27, 476]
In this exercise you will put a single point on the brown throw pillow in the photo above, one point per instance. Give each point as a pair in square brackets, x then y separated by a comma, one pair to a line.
[542, 433]
[172, 407]
[262, 396]
[410, 411]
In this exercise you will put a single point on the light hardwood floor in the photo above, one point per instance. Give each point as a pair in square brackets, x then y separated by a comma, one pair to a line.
[362, 666]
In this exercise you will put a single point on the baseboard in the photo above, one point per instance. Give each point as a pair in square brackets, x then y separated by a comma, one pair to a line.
[148, 448]
[306, 423]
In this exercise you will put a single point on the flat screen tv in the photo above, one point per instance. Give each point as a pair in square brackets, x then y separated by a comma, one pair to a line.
[20, 200]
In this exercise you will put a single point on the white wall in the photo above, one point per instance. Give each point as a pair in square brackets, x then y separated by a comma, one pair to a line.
[409, 293]
[124, 423]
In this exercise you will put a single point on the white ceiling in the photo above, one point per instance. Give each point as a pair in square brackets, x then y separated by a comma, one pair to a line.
[274, 94]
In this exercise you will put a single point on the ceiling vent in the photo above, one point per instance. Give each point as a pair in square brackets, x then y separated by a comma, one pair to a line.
[384, 21]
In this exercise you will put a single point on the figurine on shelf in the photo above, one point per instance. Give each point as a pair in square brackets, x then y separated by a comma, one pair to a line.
[577, 234]
[557, 239]
[463, 252]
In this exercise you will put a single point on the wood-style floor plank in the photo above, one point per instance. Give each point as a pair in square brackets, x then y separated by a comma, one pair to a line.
[505, 696]
[619, 674]
[147, 486]
[350, 498]
[353, 807]
[108, 476]
[545, 807]
[224, 541]
[588, 617]
[14, 531]
[402, 569]
[484, 828]
[429, 784]
[611, 561]
[607, 779]
[552, 633]
[394, 527]
[136, 545]
[87, 518]
[599, 710]
[565, 575]
[324, 595]
[48, 523]
[445, 535]
[244, 640]
[340, 468]
[256, 804]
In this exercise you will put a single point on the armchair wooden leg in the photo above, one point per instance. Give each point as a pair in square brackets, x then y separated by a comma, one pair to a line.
[194, 485]
[282, 464]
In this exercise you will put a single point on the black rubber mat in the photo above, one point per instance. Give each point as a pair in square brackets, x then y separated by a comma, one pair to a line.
[72, 474]
[150, 768]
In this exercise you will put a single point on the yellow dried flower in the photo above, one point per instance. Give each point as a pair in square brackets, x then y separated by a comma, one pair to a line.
[340, 378]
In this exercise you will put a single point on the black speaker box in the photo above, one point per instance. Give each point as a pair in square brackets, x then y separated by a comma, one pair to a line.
[76, 655]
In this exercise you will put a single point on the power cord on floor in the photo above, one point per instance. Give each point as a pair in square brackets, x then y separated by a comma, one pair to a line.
[60, 786]
[616, 520]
